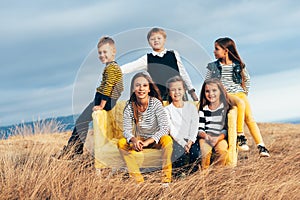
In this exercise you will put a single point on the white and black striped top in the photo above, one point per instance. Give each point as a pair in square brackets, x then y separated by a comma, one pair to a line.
[153, 122]
[213, 122]
[227, 81]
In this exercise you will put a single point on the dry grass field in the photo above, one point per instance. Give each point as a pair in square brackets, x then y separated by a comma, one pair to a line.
[28, 172]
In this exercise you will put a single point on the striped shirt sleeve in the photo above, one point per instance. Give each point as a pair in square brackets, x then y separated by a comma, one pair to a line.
[112, 81]
[128, 122]
[208, 74]
[247, 79]
[162, 120]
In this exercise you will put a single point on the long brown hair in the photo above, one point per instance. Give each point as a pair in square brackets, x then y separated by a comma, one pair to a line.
[223, 97]
[154, 92]
[229, 44]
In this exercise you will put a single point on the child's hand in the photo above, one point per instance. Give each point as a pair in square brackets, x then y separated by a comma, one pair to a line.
[137, 144]
[147, 142]
[213, 141]
[202, 135]
[97, 108]
[187, 147]
[194, 96]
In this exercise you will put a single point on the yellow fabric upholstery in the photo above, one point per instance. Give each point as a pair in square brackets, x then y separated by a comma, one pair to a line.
[108, 128]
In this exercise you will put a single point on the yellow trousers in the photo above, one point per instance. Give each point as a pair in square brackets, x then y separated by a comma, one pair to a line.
[128, 154]
[206, 151]
[245, 115]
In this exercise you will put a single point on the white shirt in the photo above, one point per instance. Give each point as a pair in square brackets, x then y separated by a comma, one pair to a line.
[183, 122]
[141, 64]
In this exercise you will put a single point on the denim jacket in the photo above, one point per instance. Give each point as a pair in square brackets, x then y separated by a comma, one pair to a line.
[216, 71]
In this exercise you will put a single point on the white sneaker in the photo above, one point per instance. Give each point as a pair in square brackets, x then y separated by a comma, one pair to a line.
[165, 185]
[242, 143]
[263, 151]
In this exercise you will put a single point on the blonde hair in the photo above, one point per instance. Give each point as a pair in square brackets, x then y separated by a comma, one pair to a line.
[106, 40]
[157, 30]
[172, 80]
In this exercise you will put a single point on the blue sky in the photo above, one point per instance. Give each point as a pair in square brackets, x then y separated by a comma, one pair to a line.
[45, 46]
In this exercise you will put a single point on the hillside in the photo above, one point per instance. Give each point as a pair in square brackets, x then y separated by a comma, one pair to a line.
[28, 172]
[62, 123]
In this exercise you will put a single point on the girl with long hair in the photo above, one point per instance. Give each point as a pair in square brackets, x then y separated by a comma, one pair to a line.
[145, 126]
[231, 71]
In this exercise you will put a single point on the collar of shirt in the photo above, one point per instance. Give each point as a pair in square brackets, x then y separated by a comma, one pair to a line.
[160, 54]
[110, 63]
[221, 106]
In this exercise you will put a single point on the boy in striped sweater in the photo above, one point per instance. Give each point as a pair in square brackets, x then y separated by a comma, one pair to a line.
[106, 97]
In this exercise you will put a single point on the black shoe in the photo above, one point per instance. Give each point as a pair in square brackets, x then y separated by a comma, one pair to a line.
[242, 143]
[263, 151]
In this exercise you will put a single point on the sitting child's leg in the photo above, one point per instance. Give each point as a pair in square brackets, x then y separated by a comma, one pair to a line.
[206, 151]
[221, 150]
[241, 138]
[178, 155]
[166, 143]
[130, 160]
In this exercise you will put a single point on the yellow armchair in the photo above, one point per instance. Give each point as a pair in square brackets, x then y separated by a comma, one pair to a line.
[108, 126]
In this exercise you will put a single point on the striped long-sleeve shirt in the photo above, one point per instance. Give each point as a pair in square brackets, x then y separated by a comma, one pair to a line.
[153, 121]
[213, 122]
[112, 81]
[227, 81]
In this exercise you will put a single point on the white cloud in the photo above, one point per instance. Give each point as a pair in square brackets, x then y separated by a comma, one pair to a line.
[36, 103]
[265, 31]
[77, 19]
[276, 96]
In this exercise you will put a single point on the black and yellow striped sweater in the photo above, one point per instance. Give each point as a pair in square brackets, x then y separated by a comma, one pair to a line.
[112, 81]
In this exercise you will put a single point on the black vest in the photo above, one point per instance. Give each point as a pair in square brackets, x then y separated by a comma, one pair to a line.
[161, 69]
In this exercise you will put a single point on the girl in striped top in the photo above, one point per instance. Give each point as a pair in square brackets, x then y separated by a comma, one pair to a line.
[231, 70]
[213, 109]
[145, 126]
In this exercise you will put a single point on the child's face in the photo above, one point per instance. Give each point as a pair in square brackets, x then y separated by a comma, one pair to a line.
[212, 93]
[176, 91]
[141, 88]
[106, 53]
[157, 42]
[219, 52]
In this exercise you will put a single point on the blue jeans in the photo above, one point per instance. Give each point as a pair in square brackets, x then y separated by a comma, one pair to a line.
[180, 158]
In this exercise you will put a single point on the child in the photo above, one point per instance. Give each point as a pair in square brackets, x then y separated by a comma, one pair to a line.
[161, 63]
[183, 120]
[213, 110]
[106, 97]
[231, 70]
[145, 126]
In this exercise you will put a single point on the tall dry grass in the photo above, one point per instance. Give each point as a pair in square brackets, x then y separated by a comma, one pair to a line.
[28, 172]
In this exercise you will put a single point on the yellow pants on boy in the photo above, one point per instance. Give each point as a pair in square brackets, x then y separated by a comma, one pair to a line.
[129, 156]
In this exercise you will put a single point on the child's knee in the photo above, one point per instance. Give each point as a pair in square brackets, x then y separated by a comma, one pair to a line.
[222, 147]
[122, 143]
[166, 140]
